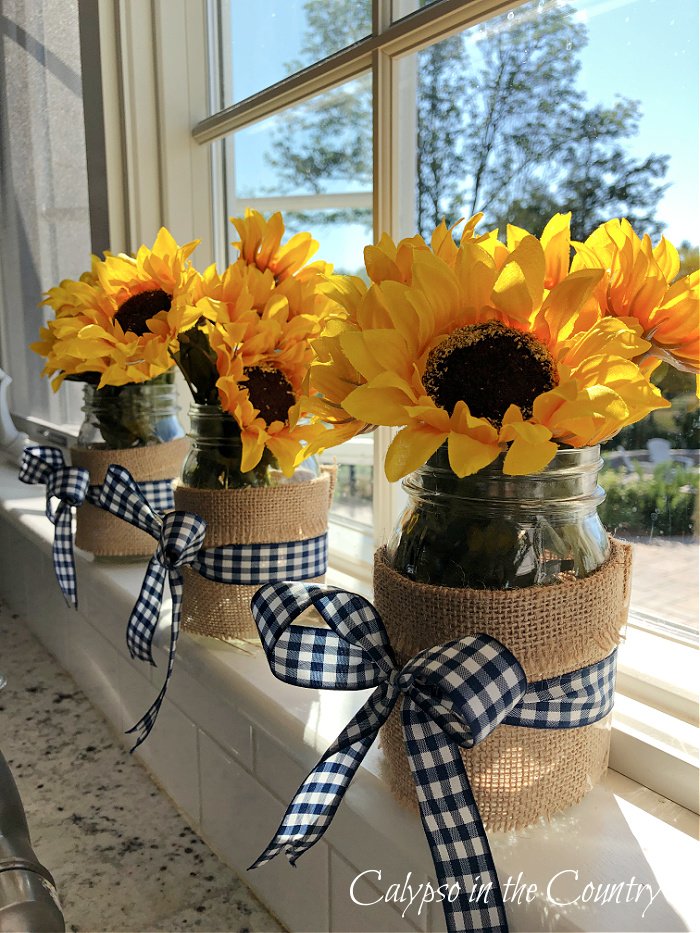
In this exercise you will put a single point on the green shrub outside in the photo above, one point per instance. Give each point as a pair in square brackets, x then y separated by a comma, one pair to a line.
[662, 503]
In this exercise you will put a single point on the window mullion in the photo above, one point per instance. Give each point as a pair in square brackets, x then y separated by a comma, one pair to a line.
[385, 156]
[140, 122]
[425, 26]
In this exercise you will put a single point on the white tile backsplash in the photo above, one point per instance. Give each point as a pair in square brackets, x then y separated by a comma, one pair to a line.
[217, 718]
[170, 752]
[373, 912]
[239, 818]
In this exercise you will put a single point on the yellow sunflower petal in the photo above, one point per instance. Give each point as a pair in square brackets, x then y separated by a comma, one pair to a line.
[520, 284]
[286, 451]
[410, 449]
[468, 454]
[383, 401]
[566, 299]
[667, 259]
[253, 445]
[531, 451]
[556, 243]
[376, 351]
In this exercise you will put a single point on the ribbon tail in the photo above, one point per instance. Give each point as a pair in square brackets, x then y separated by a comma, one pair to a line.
[453, 826]
[148, 720]
[145, 615]
[63, 554]
[312, 810]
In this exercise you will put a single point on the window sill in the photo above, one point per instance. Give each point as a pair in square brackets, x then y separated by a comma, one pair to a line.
[233, 743]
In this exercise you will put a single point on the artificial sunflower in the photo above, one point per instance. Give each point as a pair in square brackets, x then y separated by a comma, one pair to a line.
[640, 283]
[249, 349]
[262, 359]
[479, 353]
[262, 402]
[261, 245]
[120, 321]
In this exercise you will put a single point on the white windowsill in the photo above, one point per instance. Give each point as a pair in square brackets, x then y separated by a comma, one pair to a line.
[232, 744]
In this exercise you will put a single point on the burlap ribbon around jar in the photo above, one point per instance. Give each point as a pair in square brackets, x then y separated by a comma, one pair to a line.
[103, 534]
[517, 774]
[251, 515]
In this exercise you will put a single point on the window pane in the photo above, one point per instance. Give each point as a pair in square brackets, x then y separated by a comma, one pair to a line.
[321, 147]
[43, 188]
[547, 109]
[262, 43]
[401, 8]
[351, 520]
[314, 163]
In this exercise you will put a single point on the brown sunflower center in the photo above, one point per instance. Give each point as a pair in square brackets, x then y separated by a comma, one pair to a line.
[133, 314]
[269, 391]
[489, 366]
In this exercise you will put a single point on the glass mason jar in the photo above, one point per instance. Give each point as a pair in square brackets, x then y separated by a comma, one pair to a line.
[214, 459]
[492, 531]
[137, 415]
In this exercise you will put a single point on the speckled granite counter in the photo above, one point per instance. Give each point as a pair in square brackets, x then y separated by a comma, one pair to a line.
[122, 857]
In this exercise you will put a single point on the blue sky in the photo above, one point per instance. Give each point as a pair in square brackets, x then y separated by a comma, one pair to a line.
[648, 50]
[643, 49]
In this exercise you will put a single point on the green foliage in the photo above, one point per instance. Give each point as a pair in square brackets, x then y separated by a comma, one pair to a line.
[197, 363]
[662, 503]
[689, 257]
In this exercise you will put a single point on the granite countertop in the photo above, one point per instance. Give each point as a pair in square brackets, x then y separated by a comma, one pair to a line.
[122, 857]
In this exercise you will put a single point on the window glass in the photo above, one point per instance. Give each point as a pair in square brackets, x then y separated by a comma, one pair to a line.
[313, 162]
[321, 147]
[262, 43]
[44, 211]
[401, 8]
[547, 109]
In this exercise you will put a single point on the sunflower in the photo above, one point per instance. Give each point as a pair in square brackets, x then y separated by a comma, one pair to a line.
[479, 353]
[261, 363]
[261, 353]
[394, 261]
[122, 318]
[260, 244]
[639, 284]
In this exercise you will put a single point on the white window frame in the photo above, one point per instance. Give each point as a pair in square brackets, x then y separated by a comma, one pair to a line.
[161, 170]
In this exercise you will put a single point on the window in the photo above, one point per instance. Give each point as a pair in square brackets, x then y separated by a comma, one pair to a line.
[520, 110]
[557, 116]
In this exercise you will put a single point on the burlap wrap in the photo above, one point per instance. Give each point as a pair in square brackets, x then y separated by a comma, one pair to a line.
[517, 774]
[102, 533]
[253, 515]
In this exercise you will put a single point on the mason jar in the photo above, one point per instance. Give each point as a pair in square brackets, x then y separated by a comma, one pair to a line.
[214, 459]
[494, 531]
[137, 415]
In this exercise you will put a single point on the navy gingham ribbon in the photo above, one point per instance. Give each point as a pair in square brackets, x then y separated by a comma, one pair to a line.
[180, 535]
[180, 538]
[71, 487]
[453, 695]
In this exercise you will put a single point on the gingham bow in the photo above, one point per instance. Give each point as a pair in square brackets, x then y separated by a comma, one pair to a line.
[180, 536]
[452, 695]
[70, 486]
